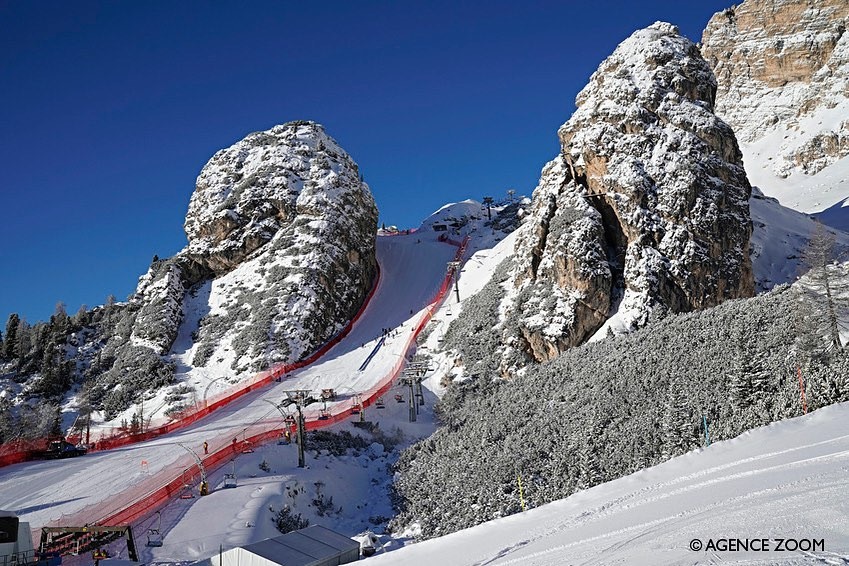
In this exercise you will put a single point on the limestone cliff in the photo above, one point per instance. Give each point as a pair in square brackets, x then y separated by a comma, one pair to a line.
[778, 62]
[281, 254]
[645, 208]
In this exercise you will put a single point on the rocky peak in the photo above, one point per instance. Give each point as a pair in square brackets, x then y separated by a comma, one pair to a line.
[281, 254]
[776, 62]
[645, 208]
[251, 189]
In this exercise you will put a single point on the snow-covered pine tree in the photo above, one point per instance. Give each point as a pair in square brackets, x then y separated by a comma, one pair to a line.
[677, 421]
[11, 336]
[827, 284]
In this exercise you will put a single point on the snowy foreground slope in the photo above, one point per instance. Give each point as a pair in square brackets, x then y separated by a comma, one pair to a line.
[787, 481]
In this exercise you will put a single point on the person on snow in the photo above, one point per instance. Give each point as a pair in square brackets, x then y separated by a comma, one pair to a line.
[205, 447]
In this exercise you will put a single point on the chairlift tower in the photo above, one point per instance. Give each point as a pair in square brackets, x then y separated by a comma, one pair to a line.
[488, 202]
[409, 381]
[204, 483]
[454, 269]
[418, 370]
[300, 398]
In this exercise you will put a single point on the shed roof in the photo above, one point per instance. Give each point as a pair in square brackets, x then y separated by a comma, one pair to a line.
[305, 547]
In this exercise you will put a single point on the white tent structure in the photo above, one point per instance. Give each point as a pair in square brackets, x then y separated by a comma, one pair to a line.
[312, 546]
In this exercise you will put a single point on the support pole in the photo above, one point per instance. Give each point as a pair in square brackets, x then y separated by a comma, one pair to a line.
[521, 492]
[454, 266]
[413, 408]
[301, 460]
[488, 202]
[420, 392]
[802, 390]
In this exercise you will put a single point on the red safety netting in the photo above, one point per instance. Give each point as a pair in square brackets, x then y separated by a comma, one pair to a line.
[21, 451]
[183, 475]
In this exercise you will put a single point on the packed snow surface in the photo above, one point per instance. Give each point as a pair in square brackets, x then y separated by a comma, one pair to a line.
[786, 481]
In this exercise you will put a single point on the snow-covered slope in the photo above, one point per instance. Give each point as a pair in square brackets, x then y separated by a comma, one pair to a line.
[784, 481]
[783, 72]
[780, 237]
[824, 194]
[412, 268]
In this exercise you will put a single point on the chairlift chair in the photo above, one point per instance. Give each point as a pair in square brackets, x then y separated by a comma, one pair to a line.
[154, 537]
[380, 403]
[323, 415]
[187, 488]
[399, 398]
[230, 480]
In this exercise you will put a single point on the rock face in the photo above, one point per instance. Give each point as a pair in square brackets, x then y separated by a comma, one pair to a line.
[645, 208]
[776, 62]
[281, 255]
[285, 224]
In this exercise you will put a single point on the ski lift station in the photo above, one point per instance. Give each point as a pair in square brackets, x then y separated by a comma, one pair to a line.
[312, 546]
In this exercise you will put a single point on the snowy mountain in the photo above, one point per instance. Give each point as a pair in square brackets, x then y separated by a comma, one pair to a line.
[646, 208]
[783, 73]
[579, 366]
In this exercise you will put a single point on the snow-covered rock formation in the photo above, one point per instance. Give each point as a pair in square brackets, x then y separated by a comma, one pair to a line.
[646, 206]
[281, 255]
[782, 68]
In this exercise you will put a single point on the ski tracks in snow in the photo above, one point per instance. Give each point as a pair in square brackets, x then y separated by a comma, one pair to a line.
[784, 480]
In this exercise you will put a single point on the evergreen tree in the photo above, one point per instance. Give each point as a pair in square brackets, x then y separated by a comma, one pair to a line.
[56, 428]
[11, 336]
[7, 425]
[677, 421]
[60, 323]
[135, 424]
[589, 470]
[828, 284]
[22, 346]
[82, 318]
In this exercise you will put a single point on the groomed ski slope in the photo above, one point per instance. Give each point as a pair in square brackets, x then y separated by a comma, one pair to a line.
[412, 268]
[788, 480]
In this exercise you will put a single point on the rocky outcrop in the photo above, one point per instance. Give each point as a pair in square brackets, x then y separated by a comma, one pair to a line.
[281, 254]
[645, 208]
[287, 226]
[776, 63]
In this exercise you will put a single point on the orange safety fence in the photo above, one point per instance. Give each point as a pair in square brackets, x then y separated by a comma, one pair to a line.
[181, 476]
[22, 451]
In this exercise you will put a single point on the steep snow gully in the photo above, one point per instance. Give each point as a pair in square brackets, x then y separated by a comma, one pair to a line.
[412, 269]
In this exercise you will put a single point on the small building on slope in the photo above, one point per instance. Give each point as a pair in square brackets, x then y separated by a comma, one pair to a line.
[312, 546]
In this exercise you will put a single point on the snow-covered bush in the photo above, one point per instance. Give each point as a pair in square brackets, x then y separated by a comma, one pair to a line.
[286, 521]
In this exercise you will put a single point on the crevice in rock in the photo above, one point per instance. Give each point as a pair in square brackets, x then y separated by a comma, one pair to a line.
[617, 245]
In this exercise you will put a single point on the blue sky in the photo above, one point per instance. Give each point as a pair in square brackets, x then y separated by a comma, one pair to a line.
[109, 111]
